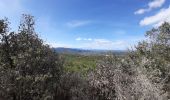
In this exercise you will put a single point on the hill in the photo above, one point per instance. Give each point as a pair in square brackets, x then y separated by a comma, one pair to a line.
[88, 52]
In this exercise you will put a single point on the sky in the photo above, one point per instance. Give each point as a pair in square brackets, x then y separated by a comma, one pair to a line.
[89, 24]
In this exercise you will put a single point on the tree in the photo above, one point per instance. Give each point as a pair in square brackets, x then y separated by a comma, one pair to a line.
[154, 56]
[29, 68]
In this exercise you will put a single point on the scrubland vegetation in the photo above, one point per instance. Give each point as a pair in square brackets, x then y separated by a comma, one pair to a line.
[31, 70]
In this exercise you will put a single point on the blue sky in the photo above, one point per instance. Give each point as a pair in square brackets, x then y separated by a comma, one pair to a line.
[89, 24]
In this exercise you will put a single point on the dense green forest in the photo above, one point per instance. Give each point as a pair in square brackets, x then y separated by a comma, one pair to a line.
[31, 70]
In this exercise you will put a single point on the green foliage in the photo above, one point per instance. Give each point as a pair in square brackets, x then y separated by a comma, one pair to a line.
[80, 63]
[30, 70]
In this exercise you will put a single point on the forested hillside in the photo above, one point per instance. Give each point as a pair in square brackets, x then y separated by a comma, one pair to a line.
[31, 70]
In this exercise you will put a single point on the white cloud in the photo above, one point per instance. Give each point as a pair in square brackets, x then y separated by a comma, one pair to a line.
[58, 44]
[156, 3]
[99, 43]
[151, 5]
[157, 19]
[83, 39]
[78, 23]
[78, 39]
[120, 44]
[88, 39]
[106, 44]
[141, 11]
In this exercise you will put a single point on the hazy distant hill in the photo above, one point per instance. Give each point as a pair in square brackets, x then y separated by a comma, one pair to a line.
[88, 52]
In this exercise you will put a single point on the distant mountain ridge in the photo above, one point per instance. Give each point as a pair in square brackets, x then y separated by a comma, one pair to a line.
[88, 52]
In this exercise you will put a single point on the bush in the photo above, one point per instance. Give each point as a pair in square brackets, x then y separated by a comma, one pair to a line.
[72, 86]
